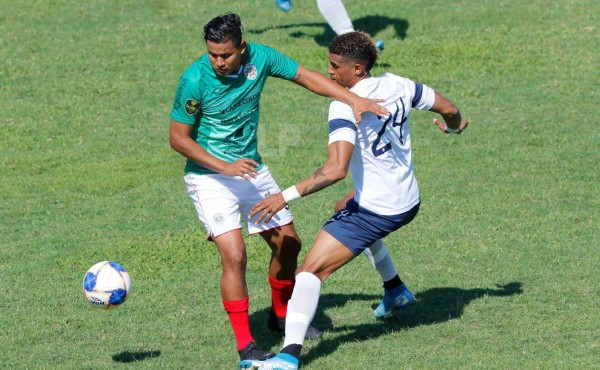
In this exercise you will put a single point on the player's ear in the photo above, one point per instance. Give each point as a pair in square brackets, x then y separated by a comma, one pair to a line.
[242, 47]
[359, 69]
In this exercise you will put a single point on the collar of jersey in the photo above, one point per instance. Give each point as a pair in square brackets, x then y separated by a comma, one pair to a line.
[359, 83]
[237, 74]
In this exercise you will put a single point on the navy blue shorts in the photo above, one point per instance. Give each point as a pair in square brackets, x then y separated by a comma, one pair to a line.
[357, 228]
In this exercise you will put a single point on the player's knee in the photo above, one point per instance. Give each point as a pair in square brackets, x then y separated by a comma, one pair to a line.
[291, 245]
[235, 261]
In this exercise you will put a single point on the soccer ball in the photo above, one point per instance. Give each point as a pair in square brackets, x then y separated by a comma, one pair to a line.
[106, 284]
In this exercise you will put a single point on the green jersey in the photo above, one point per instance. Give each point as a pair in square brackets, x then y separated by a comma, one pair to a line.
[225, 110]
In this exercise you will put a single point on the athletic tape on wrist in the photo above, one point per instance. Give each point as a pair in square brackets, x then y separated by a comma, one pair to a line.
[290, 194]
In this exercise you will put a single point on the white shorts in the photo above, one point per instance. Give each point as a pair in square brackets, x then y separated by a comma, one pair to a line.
[221, 201]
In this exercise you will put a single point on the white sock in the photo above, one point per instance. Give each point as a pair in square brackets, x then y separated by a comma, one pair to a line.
[380, 258]
[336, 15]
[301, 308]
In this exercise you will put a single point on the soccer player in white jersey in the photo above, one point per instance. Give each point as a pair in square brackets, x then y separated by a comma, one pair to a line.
[386, 196]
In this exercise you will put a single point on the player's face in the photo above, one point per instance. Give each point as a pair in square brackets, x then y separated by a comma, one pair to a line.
[342, 71]
[225, 58]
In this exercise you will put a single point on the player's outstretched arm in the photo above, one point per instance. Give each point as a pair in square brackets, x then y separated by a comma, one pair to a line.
[334, 170]
[319, 84]
[182, 142]
[453, 122]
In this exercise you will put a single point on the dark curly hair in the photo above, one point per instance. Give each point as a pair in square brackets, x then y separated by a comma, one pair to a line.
[224, 28]
[356, 46]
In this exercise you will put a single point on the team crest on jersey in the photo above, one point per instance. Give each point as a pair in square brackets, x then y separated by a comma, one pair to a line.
[191, 107]
[219, 219]
[250, 71]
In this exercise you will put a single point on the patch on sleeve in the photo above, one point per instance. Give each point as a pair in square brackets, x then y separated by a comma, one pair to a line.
[192, 107]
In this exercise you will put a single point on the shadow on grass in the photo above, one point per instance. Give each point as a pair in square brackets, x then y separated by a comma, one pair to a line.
[432, 306]
[371, 24]
[266, 339]
[128, 356]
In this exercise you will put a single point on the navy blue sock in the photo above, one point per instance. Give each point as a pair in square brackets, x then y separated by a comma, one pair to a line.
[292, 349]
[392, 283]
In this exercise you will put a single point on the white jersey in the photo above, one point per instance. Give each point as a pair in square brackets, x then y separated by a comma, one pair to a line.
[381, 164]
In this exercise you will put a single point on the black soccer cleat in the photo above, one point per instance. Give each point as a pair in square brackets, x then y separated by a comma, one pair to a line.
[277, 324]
[252, 352]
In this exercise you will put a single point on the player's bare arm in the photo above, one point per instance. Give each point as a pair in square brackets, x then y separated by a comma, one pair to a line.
[319, 84]
[451, 115]
[322, 179]
[334, 170]
[182, 142]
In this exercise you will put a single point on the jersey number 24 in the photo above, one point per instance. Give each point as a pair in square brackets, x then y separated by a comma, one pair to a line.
[397, 121]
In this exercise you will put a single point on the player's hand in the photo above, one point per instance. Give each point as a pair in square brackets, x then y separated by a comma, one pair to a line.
[267, 208]
[244, 167]
[363, 105]
[442, 126]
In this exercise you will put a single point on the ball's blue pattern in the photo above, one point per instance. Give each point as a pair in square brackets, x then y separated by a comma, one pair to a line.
[118, 296]
[116, 266]
[89, 281]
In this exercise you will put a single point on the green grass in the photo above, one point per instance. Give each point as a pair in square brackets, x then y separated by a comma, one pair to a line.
[503, 257]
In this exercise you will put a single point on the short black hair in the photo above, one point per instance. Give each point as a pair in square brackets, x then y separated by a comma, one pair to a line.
[356, 46]
[224, 28]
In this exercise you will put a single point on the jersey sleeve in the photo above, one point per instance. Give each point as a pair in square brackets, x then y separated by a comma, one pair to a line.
[423, 96]
[279, 65]
[341, 123]
[186, 106]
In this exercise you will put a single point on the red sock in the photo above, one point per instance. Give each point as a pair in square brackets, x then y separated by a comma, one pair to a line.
[239, 319]
[281, 292]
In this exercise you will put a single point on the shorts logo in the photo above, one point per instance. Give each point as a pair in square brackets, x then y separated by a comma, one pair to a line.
[191, 107]
[250, 71]
[219, 219]
[338, 216]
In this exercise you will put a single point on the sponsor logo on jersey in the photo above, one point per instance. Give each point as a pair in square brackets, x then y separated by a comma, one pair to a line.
[250, 71]
[247, 100]
[191, 107]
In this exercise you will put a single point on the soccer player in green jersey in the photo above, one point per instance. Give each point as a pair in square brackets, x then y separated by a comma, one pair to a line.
[214, 123]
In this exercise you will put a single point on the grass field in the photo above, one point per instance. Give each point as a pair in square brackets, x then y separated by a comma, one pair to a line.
[503, 258]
